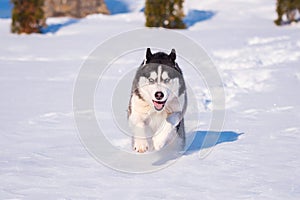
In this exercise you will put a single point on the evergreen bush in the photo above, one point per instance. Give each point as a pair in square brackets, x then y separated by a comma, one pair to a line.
[289, 8]
[164, 13]
[27, 16]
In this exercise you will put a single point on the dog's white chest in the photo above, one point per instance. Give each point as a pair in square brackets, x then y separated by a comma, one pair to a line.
[156, 120]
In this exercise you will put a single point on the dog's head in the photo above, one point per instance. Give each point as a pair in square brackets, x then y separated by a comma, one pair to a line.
[159, 79]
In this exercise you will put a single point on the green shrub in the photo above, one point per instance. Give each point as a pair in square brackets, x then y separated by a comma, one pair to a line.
[27, 16]
[164, 13]
[289, 8]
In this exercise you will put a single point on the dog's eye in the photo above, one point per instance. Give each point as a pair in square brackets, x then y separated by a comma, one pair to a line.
[151, 80]
[167, 80]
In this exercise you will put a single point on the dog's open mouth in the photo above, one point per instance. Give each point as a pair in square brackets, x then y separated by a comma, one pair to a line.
[159, 105]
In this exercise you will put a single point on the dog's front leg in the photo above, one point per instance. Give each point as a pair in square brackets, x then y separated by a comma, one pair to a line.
[140, 140]
[167, 131]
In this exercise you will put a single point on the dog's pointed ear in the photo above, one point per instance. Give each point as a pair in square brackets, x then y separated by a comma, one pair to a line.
[148, 54]
[172, 55]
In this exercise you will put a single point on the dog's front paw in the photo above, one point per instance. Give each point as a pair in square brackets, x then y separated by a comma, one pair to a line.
[140, 145]
[158, 145]
[159, 141]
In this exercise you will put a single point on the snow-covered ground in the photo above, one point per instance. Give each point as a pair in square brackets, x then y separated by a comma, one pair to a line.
[41, 156]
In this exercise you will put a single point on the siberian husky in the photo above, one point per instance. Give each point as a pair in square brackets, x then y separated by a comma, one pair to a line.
[157, 104]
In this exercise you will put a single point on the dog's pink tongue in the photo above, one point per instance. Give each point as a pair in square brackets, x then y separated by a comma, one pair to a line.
[158, 106]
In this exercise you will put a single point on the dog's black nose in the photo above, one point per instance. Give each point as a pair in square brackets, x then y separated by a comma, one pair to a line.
[159, 95]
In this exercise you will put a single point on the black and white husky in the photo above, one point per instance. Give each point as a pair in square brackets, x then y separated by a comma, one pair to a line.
[157, 104]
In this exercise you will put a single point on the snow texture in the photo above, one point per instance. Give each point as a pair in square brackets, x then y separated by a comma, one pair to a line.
[257, 155]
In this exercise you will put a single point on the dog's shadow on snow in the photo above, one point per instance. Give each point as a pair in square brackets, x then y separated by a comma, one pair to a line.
[208, 139]
[199, 140]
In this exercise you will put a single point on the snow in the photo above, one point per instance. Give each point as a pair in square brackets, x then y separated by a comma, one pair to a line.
[257, 155]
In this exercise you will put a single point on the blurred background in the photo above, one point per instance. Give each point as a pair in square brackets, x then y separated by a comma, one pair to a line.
[31, 15]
